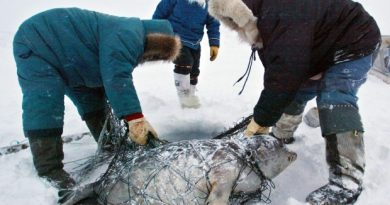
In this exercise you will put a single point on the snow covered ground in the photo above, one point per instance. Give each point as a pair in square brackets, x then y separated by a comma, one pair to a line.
[221, 107]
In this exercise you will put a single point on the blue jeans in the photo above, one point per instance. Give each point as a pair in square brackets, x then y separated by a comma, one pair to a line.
[336, 96]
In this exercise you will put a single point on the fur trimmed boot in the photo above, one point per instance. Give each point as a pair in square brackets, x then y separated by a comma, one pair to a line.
[186, 92]
[345, 157]
[284, 129]
[47, 157]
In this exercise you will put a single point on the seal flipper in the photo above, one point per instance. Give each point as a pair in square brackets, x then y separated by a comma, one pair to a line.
[72, 196]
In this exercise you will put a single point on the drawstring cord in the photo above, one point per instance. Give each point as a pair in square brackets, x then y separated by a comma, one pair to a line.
[248, 69]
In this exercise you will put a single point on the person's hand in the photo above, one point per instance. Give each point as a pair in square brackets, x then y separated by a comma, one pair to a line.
[139, 130]
[213, 52]
[253, 128]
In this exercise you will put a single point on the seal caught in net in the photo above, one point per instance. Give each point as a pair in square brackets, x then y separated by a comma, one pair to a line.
[230, 169]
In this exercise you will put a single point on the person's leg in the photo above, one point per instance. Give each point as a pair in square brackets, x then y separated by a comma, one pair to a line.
[194, 78]
[194, 74]
[183, 66]
[286, 126]
[92, 106]
[343, 132]
[312, 118]
[43, 113]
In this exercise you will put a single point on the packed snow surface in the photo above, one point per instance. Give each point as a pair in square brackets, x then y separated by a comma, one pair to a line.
[221, 107]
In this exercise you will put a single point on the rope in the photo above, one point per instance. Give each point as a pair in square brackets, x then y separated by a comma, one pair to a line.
[235, 129]
[248, 69]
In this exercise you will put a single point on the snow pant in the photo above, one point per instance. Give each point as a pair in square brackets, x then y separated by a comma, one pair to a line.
[188, 62]
[43, 97]
[43, 91]
[336, 96]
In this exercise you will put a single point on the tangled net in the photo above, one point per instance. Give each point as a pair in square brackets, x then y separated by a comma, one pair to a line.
[139, 174]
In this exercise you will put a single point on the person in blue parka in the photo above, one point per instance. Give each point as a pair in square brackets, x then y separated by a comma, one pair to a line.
[89, 57]
[188, 20]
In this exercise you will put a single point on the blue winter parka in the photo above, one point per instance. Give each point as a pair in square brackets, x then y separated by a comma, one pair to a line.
[87, 49]
[188, 20]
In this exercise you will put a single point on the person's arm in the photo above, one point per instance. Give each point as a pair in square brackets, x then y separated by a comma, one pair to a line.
[286, 57]
[121, 43]
[116, 70]
[213, 33]
[164, 9]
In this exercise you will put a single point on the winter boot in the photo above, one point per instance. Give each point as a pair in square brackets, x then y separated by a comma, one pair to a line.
[284, 129]
[195, 102]
[312, 118]
[185, 91]
[345, 157]
[95, 123]
[47, 157]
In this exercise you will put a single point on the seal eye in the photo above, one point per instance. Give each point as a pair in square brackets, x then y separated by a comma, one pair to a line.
[248, 154]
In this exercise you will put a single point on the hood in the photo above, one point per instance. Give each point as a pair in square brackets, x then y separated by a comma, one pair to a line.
[161, 42]
[238, 17]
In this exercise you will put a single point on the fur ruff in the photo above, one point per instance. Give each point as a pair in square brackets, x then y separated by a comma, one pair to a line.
[237, 16]
[161, 47]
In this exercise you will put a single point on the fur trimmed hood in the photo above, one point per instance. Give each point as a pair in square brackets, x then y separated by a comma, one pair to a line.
[237, 16]
[161, 47]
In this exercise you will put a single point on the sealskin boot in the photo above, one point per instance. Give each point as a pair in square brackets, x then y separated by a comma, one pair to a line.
[95, 123]
[284, 129]
[47, 157]
[186, 92]
[345, 157]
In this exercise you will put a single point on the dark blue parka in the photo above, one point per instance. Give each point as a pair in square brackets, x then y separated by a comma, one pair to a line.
[188, 21]
[303, 38]
[63, 51]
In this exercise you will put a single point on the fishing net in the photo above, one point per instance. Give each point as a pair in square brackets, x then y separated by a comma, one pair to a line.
[168, 173]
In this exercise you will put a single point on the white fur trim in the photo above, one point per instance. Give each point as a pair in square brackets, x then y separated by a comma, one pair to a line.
[234, 9]
[237, 16]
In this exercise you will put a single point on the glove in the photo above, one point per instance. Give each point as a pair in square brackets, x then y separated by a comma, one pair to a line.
[253, 128]
[213, 52]
[139, 130]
